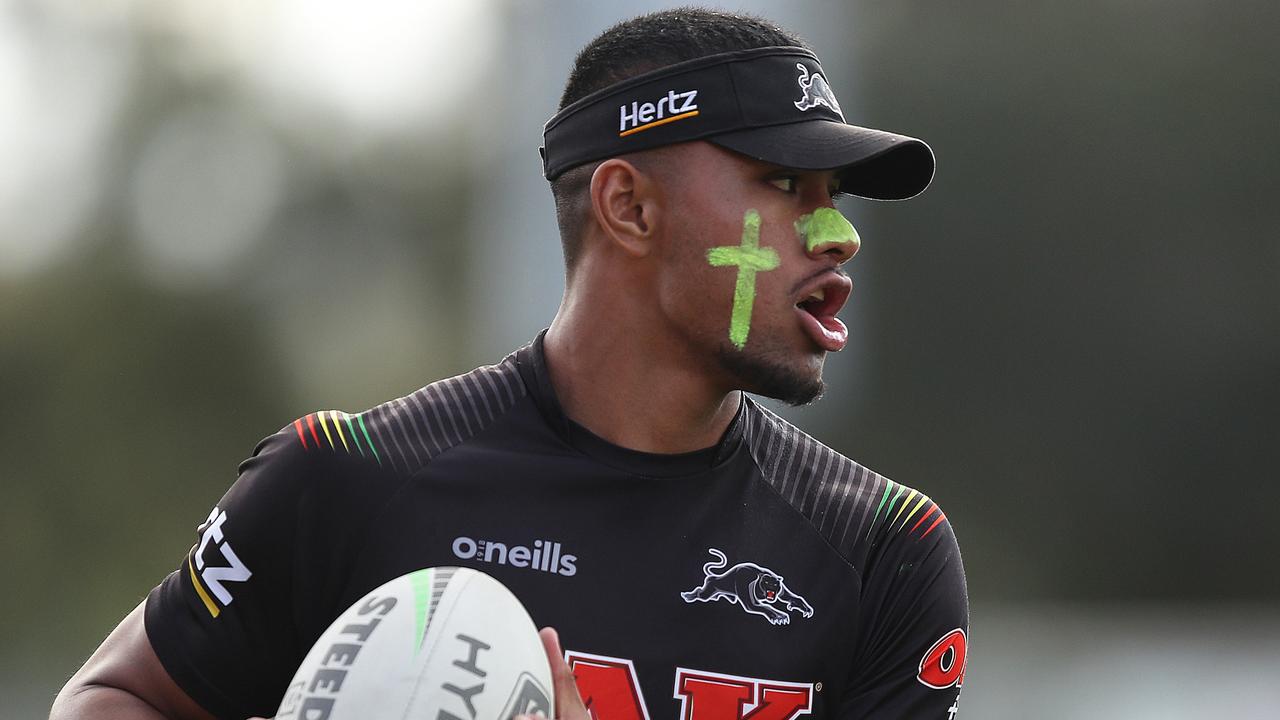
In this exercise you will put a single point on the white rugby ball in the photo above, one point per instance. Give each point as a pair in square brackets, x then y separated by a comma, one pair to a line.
[439, 643]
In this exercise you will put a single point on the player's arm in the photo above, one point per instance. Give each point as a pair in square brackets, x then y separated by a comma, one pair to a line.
[222, 635]
[124, 679]
[913, 645]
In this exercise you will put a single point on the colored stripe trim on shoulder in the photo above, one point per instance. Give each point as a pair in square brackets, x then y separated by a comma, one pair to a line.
[311, 425]
[325, 426]
[331, 423]
[919, 504]
[337, 427]
[941, 516]
[893, 503]
[209, 604]
[354, 437]
[907, 501]
[888, 487]
[894, 523]
[367, 439]
[854, 508]
[923, 518]
[417, 427]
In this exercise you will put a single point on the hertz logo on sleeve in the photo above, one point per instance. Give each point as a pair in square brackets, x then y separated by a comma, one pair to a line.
[638, 116]
[208, 579]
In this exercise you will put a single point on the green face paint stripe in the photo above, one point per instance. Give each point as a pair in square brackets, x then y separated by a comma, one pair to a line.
[421, 581]
[368, 440]
[750, 259]
[826, 225]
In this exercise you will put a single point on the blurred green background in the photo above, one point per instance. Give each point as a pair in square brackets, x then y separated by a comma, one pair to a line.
[215, 217]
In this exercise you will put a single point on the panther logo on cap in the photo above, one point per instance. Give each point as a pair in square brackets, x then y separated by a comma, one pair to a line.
[816, 91]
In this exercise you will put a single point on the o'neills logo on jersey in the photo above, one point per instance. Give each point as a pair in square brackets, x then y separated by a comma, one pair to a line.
[638, 116]
[543, 555]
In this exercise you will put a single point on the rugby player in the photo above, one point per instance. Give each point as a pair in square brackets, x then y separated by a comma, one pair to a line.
[699, 556]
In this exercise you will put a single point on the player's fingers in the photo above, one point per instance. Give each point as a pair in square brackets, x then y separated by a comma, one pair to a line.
[568, 701]
[569, 704]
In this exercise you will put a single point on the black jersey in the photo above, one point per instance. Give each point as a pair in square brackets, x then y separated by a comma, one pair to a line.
[767, 577]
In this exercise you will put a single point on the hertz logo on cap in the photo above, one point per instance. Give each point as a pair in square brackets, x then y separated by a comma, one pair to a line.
[669, 108]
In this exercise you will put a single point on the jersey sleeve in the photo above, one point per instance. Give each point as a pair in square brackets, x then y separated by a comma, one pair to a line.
[233, 622]
[914, 625]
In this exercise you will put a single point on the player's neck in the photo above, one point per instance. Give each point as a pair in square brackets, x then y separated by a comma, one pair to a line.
[623, 387]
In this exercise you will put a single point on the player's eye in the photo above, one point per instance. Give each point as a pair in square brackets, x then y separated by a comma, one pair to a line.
[786, 183]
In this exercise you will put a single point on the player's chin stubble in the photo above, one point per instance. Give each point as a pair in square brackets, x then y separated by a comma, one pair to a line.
[757, 373]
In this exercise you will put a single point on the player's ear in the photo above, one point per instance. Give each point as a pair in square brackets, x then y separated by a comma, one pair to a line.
[624, 200]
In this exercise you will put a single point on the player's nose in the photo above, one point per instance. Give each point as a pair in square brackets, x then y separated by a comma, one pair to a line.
[828, 235]
[840, 252]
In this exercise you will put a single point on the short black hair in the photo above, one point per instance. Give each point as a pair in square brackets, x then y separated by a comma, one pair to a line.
[636, 46]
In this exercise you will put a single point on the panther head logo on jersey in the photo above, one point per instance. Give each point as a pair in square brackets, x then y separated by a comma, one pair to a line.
[816, 91]
[756, 589]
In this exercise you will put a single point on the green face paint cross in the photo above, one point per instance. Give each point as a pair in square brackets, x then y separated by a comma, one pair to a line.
[750, 259]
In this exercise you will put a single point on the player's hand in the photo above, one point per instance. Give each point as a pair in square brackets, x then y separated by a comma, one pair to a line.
[568, 702]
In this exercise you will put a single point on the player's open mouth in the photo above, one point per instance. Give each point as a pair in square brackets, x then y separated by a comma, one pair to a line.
[818, 306]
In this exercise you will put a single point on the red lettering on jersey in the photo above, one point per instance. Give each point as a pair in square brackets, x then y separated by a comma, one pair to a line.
[944, 663]
[712, 696]
[608, 686]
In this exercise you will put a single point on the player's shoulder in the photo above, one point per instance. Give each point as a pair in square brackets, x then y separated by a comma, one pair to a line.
[855, 508]
[401, 436]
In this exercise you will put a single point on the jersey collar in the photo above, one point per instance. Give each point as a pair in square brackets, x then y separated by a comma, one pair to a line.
[532, 364]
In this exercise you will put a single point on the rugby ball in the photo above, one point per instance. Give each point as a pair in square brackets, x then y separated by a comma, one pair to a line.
[442, 642]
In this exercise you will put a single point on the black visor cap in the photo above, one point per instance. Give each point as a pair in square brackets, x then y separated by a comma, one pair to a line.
[772, 104]
[871, 163]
